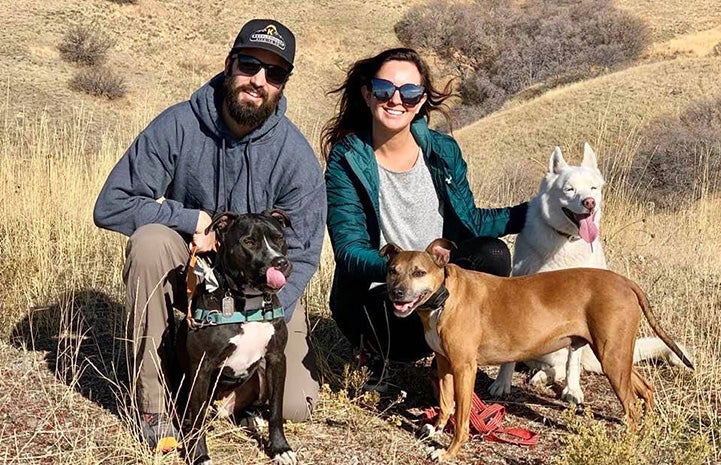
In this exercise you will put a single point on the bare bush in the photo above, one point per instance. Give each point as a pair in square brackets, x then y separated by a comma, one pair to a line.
[501, 47]
[85, 45]
[99, 81]
[681, 155]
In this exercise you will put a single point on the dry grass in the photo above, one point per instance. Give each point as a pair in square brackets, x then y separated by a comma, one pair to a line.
[63, 397]
[670, 18]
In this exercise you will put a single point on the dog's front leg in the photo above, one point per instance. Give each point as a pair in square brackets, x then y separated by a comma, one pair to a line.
[445, 399]
[464, 378]
[279, 449]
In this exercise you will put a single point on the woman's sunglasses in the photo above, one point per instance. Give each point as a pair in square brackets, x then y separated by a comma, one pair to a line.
[383, 91]
[250, 66]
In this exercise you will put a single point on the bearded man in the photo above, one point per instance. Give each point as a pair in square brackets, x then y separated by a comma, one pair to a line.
[229, 148]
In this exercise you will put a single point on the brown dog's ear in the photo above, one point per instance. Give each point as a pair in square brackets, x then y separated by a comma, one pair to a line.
[390, 251]
[221, 222]
[440, 250]
[279, 215]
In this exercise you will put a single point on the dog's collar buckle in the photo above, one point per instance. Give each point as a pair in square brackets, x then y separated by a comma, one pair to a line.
[267, 302]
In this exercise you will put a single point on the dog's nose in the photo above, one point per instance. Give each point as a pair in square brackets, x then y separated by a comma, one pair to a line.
[280, 263]
[396, 293]
[589, 203]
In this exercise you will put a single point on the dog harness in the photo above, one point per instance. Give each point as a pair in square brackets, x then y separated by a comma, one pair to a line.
[232, 313]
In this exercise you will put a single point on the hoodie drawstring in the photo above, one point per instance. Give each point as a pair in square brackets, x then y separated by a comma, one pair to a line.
[250, 197]
[221, 206]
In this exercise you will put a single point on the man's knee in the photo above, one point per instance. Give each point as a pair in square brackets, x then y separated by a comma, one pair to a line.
[150, 241]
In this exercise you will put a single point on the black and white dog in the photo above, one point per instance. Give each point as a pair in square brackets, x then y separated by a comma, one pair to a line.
[238, 327]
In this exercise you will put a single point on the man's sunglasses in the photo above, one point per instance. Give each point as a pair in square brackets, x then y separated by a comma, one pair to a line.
[383, 91]
[250, 66]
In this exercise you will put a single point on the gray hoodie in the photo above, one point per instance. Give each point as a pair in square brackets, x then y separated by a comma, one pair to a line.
[188, 156]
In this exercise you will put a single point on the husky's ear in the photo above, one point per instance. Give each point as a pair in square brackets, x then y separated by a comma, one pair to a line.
[390, 250]
[556, 163]
[440, 250]
[589, 157]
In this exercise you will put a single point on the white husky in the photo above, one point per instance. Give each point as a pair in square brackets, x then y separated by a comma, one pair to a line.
[562, 231]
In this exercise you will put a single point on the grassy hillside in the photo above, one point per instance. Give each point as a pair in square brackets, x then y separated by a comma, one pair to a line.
[166, 49]
[63, 395]
[605, 111]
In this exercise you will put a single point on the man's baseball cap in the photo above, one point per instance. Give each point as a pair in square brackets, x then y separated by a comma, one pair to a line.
[267, 34]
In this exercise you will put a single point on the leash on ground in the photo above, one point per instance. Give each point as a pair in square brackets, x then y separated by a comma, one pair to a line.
[485, 421]
[192, 284]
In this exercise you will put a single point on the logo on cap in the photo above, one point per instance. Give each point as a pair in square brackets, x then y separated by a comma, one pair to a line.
[269, 35]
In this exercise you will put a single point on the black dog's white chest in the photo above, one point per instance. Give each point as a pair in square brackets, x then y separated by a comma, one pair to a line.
[250, 345]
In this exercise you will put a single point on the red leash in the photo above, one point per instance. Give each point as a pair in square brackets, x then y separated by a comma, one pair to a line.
[485, 420]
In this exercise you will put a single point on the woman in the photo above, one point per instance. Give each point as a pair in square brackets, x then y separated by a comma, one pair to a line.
[389, 178]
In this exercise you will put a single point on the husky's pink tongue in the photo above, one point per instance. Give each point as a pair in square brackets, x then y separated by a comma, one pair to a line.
[587, 229]
[275, 278]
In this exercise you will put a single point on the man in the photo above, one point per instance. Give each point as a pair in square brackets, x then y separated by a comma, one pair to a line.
[229, 148]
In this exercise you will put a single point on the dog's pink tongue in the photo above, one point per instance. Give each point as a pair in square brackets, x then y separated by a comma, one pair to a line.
[403, 308]
[275, 278]
[587, 229]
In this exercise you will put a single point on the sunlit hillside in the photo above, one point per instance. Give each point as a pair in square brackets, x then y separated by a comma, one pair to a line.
[63, 391]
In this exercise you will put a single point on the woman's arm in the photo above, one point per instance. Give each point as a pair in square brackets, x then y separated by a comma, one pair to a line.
[347, 226]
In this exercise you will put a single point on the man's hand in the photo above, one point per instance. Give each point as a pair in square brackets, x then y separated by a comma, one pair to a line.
[204, 242]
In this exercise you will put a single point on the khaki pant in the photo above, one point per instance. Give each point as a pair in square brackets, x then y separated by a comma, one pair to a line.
[156, 257]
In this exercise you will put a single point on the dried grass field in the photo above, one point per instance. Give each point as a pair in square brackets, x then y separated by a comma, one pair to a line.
[64, 395]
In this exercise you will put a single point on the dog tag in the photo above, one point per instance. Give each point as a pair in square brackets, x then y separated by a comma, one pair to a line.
[228, 306]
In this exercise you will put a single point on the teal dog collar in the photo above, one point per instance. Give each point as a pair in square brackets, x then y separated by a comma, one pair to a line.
[215, 317]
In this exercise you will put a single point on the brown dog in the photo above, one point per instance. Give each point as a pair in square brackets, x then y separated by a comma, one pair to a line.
[473, 318]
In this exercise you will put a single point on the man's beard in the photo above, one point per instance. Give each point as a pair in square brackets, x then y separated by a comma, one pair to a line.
[245, 114]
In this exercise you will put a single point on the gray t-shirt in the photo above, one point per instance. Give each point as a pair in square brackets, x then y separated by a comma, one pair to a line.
[411, 213]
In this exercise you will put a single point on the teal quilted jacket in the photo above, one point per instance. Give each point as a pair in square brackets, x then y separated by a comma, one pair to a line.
[353, 214]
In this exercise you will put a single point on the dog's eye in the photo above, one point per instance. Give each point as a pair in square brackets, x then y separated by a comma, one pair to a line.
[594, 188]
[392, 271]
[418, 273]
[248, 242]
[568, 189]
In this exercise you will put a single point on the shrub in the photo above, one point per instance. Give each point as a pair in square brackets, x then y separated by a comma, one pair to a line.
[656, 442]
[125, 2]
[501, 47]
[85, 46]
[99, 81]
[680, 156]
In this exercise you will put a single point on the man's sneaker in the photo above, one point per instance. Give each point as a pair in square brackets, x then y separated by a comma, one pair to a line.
[159, 432]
